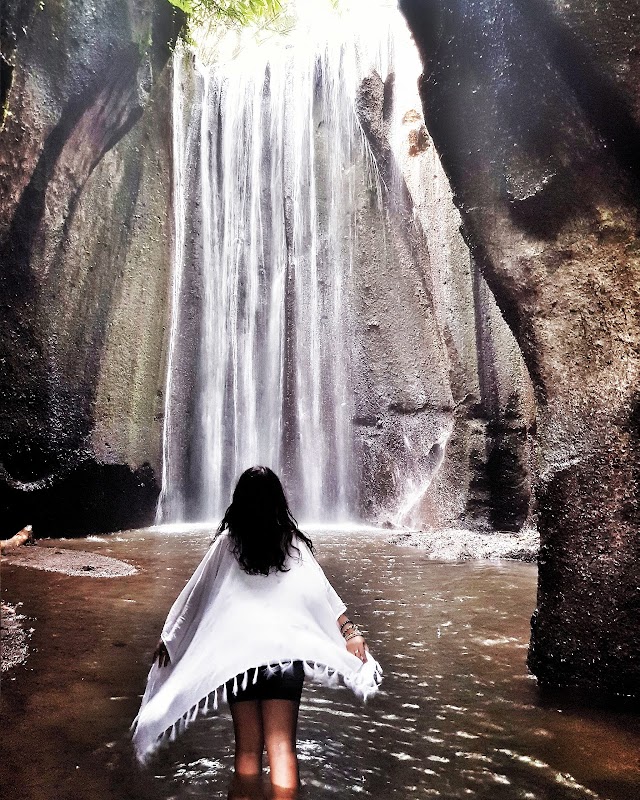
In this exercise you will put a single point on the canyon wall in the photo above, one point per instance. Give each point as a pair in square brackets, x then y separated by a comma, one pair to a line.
[85, 253]
[445, 408]
[534, 108]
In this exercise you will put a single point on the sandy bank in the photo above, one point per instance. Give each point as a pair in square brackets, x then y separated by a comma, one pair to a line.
[69, 562]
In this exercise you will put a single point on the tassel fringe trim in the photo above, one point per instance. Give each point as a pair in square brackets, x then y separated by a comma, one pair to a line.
[362, 686]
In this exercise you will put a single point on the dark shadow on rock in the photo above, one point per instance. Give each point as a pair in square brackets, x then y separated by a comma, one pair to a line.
[92, 498]
[603, 104]
[48, 419]
[509, 478]
[15, 18]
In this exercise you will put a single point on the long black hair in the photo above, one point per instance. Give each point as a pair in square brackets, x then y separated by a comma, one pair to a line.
[260, 524]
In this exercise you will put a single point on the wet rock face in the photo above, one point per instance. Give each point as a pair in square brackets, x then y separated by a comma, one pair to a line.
[84, 227]
[534, 110]
[445, 409]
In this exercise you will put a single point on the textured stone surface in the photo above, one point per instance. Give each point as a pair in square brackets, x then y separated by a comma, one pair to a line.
[84, 229]
[451, 544]
[534, 110]
[445, 406]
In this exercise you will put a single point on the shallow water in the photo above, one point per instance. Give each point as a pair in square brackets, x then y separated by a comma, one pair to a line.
[457, 716]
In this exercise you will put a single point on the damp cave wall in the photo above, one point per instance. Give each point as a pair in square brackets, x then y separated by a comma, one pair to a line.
[534, 108]
[85, 251]
[445, 412]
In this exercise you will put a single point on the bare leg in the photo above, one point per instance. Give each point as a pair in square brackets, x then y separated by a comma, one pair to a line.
[278, 793]
[246, 788]
[280, 720]
[247, 727]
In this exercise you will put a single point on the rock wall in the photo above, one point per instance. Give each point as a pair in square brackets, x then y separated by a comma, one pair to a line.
[445, 408]
[84, 245]
[534, 108]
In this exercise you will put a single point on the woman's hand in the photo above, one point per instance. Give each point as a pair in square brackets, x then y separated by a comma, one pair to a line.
[357, 646]
[162, 654]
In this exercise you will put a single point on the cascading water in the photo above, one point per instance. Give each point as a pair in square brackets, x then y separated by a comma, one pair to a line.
[264, 184]
[274, 180]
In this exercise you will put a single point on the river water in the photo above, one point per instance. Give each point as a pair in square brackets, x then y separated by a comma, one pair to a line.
[457, 715]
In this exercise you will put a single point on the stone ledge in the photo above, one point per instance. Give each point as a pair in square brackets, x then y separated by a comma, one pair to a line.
[459, 544]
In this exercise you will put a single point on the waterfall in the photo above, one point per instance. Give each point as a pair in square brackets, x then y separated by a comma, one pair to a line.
[261, 332]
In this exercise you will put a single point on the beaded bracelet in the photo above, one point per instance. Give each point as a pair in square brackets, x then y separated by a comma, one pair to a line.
[352, 635]
[346, 627]
[346, 622]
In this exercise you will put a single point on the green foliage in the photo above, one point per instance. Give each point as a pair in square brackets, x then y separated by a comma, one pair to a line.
[241, 12]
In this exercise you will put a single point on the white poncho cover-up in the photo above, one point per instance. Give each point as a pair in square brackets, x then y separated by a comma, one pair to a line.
[226, 622]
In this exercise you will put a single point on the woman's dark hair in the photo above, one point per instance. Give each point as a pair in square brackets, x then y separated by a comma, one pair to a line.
[260, 524]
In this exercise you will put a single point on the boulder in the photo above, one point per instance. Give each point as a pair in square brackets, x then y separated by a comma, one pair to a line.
[534, 108]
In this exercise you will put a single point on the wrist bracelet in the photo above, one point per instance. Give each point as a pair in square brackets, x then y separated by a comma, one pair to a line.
[346, 622]
[348, 628]
[352, 635]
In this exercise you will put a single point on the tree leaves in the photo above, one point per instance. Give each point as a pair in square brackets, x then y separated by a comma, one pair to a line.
[242, 12]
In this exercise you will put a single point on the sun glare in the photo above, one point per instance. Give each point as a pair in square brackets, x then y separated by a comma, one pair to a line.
[301, 25]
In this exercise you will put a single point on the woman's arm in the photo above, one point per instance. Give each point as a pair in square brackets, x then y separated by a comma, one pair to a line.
[354, 640]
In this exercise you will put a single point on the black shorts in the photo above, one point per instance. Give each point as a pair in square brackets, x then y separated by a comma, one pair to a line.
[271, 685]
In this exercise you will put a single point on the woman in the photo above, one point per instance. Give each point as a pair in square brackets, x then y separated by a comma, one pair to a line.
[257, 615]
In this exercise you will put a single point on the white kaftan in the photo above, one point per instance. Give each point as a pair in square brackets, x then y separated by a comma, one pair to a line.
[226, 622]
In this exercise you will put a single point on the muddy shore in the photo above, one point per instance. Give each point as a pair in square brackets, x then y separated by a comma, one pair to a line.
[49, 557]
